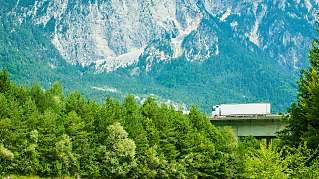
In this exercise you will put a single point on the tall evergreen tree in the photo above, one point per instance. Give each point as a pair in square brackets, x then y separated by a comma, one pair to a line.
[303, 119]
[4, 81]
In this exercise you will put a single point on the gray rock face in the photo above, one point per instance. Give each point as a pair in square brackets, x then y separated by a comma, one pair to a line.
[112, 34]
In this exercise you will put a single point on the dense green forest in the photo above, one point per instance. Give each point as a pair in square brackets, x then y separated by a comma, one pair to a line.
[49, 134]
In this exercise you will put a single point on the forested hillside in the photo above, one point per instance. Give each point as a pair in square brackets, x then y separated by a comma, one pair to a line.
[49, 134]
[184, 52]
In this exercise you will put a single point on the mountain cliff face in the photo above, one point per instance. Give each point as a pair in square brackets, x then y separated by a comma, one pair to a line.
[113, 34]
[149, 39]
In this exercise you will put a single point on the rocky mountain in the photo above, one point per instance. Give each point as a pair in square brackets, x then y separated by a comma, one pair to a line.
[189, 51]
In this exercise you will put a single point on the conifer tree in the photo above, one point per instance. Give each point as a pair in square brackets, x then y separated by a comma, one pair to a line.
[303, 119]
[4, 81]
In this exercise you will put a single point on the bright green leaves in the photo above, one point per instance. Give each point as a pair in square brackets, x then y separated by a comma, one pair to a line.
[118, 155]
[5, 153]
[276, 162]
[265, 163]
[66, 160]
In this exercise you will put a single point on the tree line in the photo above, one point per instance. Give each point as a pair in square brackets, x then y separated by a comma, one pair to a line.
[48, 134]
[45, 133]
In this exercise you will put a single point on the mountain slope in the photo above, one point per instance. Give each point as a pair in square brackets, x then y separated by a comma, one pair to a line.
[185, 52]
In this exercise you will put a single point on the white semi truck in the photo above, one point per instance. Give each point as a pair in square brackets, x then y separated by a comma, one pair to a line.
[236, 110]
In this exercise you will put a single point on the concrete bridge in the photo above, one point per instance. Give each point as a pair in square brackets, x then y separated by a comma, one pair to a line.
[257, 126]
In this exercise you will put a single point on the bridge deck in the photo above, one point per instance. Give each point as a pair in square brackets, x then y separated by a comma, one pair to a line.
[230, 118]
[258, 126]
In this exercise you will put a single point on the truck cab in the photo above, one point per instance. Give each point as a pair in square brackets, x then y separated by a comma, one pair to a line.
[216, 111]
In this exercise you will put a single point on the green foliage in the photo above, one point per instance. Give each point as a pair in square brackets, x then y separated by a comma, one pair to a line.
[265, 163]
[47, 134]
[5, 153]
[118, 155]
[303, 121]
[300, 161]
[261, 161]
[4, 81]
[66, 160]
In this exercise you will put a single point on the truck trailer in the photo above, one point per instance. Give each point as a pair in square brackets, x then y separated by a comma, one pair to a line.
[236, 110]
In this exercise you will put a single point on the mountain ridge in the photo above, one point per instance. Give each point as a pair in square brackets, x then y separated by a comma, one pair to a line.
[105, 31]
